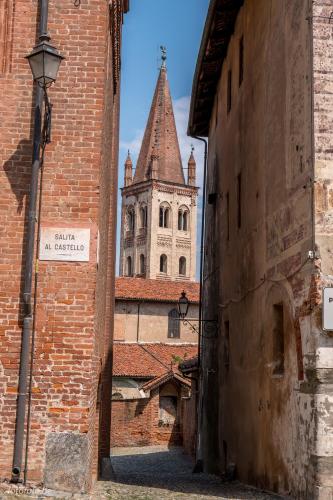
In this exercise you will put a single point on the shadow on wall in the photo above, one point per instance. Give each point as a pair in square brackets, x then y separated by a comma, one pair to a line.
[18, 169]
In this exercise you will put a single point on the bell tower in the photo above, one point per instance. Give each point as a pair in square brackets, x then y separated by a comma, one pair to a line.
[159, 208]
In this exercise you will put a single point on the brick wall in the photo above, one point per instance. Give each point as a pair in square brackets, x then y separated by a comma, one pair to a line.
[136, 423]
[74, 300]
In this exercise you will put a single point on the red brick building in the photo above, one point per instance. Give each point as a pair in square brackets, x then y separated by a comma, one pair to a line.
[70, 415]
[148, 394]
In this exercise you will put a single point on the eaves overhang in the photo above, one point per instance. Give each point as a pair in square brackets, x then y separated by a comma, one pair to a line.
[218, 29]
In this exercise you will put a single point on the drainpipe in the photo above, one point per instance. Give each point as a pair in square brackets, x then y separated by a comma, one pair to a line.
[138, 323]
[199, 458]
[29, 263]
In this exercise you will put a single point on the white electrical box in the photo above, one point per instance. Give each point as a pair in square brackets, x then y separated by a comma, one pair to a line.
[328, 308]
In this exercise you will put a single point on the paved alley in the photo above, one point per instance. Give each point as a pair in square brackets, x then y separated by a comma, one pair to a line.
[152, 473]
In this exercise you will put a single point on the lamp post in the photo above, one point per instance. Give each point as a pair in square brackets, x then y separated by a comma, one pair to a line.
[44, 62]
[209, 326]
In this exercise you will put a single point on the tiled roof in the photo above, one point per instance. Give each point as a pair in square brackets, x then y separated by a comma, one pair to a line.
[162, 379]
[155, 290]
[148, 360]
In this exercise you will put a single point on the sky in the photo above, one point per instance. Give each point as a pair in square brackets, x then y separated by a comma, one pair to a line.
[178, 25]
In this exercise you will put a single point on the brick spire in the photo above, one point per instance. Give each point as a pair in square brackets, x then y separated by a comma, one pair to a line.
[159, 156]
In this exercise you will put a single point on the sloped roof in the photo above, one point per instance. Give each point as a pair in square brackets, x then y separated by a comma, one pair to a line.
[148, 360]
[218, 30]
[160, 139]
[162, 379]
[155, 290]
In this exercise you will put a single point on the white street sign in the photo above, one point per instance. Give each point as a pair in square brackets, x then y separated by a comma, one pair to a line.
[67, 244]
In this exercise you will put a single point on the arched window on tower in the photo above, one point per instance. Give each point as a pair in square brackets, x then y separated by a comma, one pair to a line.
[143, 216]
[164, 215]
[130, 219]
[129, 269]
[182, 266]
[163, 264]
[142, 264]
[183, 219]
[173, 324]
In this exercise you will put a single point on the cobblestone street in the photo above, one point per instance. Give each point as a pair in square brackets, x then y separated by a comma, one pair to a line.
[154, 473]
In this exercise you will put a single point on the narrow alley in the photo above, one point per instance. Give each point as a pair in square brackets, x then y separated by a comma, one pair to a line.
[155, 473]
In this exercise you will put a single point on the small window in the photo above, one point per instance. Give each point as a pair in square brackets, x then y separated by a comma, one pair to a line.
[129, 270]
[131, 219]
[229, 91]
[180, 220]
[163, 263]
[241, 60]
[183, 219]
[143, 216]
[228, 215]
[182, 266]
[164, 216]
[161, 217]
[173, 324]
[142, 264]
[239, 200]
[278, 339]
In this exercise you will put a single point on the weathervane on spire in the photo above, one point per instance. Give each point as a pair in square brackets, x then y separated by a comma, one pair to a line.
[164, 56]
[192, 148]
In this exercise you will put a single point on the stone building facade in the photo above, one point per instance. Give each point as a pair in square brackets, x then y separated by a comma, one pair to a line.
[71, 374]
[262, 94]
[147, 311]
[159, 210]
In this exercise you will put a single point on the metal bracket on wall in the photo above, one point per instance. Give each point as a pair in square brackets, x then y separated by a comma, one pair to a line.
[77, 3]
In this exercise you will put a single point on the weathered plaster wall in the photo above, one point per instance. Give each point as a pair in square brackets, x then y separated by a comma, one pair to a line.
[148, 322]
[320, 360]
[275, 428]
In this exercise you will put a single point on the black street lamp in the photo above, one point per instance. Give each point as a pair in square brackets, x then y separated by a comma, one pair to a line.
[210, 326]
[183, 304]
[44, 63]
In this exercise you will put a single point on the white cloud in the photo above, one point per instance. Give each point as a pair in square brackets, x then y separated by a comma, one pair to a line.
[134, 145]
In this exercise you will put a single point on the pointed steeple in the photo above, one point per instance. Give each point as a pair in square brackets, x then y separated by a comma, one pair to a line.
[159, 156]
[128, 170]
[191, 179]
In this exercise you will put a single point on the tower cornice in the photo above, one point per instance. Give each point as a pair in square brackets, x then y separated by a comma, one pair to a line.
[165, 186]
